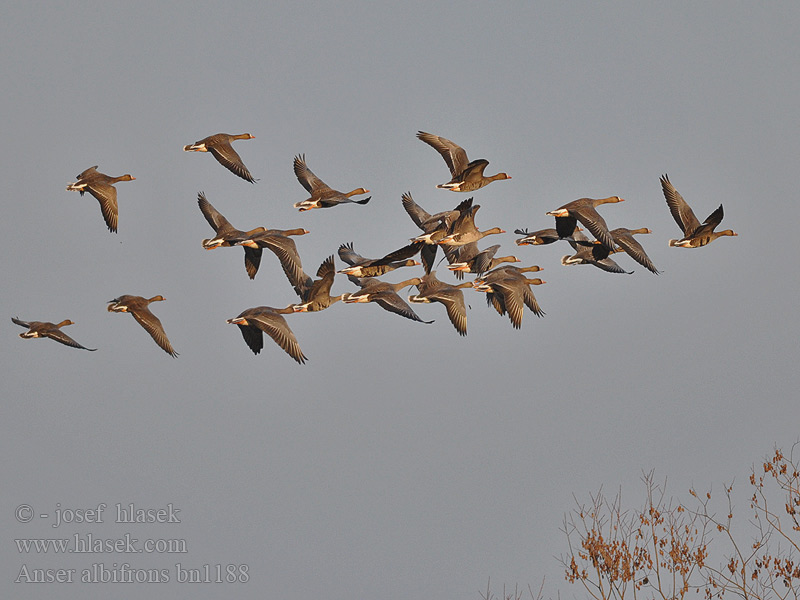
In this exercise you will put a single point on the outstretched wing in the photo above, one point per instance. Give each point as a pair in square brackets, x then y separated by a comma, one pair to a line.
[453, 154]
[680, 210]
[306, 177]
[230, 159]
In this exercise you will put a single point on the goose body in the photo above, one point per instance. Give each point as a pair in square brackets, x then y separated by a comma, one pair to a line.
[384, 294]
[546, 236]
[463, 230]
[588, 253]
[375, 267]
[101, 186]
[466, 176]
[283, 246]
[469, 259]
[254, 322]
[227, 235]
[509, 291]
[322, 196]
[505, 272]
[427, 222]
[316, 295]
[430, 289]
[45, 329]
[584, 210]
[624, 237]
[139, 308]
[537, 238]
[219, 145]
[434, 227]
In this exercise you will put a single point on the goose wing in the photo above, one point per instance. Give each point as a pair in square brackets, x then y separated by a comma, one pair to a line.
[230, 159]
[418, 214]
[212, 215]
[275, 326]
[453, 300]
[153, 326]
[63, 338]
[678, 207]
[306, 177]
[453, 154]
[634, 249]
[106, 194]
[389, 300]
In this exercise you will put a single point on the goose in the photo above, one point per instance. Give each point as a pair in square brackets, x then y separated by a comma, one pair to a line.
[384, 294]
[375, 267]
[430, 289]
[495, 297]
[511, 295]
[228, 235]
[505, 272]
[584, 210]
[316, 295]
[537, 238]
[45, 329]
[695, 234]
[219, 145]
[463, 230]
[466, 176]
[543, 237]
[101, 186]
[469, 259]
[588, 253]
[434, 227]
[138, 307]
[509, 291]
[322, 196]
[624, 237]
[254, 322]
[283, 246]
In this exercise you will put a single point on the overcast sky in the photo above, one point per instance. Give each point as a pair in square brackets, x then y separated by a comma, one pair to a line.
[401, 461]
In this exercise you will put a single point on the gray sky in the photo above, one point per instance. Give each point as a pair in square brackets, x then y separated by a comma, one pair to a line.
[401, 461]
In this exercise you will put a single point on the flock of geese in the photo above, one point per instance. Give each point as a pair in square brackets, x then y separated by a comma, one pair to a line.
[507, 288]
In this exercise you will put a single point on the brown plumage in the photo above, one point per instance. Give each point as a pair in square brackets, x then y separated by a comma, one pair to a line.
[432, 289]
[695, 234]
[138, 307]
[219, 145]
[546, 236]
[384, 294]
[45, 329]
[504, 272]
[592, 253]
[375, 267]
[466, 176]
[101, 186]
[469, 259]
[583, 210]
[537, 238]
[227, 235]
[322, 196]
[316, 295]
[463, 230]
[254, 322]
[509, 291]
[279, 242]
[435, 226]
[624, 237]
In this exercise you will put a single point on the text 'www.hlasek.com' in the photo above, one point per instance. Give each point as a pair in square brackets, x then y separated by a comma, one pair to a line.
[126, 557]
